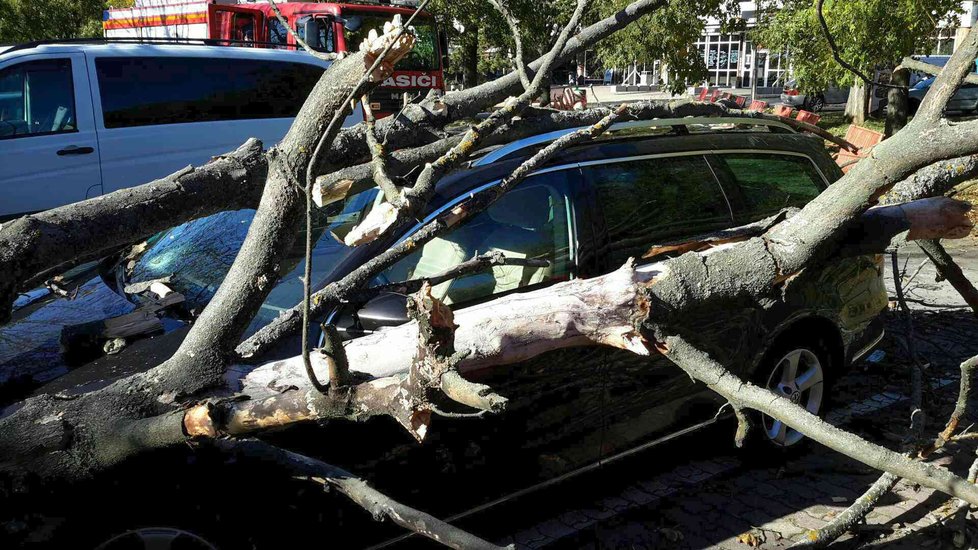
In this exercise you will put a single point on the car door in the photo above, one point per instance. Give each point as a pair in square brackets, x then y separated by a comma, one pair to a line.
[49, 154]
[643, 201]
[553, 420]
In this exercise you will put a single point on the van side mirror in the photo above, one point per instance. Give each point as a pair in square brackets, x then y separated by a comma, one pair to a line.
[310, 28]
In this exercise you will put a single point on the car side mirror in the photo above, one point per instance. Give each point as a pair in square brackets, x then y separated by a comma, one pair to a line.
[387, 309]
[311, 32]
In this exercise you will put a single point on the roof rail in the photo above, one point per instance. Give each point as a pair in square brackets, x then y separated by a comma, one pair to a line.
[148, 40]
[531, 141]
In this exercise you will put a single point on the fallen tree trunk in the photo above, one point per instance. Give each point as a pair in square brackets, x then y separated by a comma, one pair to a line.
[612, 310]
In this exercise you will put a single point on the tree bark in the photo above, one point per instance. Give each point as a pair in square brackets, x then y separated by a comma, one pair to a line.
[856, 105]
[897, 108]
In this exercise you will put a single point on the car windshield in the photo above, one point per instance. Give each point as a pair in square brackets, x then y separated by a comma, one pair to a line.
[423, 56]
[197, 255]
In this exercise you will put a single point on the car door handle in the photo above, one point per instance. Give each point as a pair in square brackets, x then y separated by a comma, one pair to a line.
[75, 150]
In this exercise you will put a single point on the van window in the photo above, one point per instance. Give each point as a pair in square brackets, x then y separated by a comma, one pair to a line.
[770, 182]
[140, 91]
[654, 201]
[37, 98]
[530, 221]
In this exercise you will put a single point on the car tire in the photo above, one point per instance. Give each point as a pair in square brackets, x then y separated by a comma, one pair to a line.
[799, 367]
[814, 103]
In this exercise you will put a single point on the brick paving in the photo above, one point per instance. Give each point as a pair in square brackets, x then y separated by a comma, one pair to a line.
[712, 502]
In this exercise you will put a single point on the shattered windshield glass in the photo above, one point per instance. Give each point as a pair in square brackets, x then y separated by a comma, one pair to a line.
[197, 255]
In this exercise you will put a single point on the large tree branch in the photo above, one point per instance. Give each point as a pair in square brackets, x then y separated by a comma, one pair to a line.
[35, 245]
[916, 65]
[958, 67]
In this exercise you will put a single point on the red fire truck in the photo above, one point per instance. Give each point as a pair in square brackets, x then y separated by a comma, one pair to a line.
[327, 27]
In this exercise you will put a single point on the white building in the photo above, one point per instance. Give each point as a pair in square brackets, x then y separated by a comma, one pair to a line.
[733, 61]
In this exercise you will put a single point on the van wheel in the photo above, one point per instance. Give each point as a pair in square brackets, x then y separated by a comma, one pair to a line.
[800, 370]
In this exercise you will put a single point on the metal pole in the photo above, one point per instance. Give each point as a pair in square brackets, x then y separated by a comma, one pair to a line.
[753, 73]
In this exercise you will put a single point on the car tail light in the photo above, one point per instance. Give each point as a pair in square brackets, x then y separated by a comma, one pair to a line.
[791, 92]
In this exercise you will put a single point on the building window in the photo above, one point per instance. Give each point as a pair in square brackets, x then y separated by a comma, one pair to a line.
[721, 53]
[940, 43]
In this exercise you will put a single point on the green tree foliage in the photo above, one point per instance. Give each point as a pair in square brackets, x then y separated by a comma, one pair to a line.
[26, 20]
[870, 35]
[667, 35]
[477, 30]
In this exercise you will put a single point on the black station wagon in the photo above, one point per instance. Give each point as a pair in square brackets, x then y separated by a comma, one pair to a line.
[585, 213]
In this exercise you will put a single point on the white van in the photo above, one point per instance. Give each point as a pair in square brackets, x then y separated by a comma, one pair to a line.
[81, 119]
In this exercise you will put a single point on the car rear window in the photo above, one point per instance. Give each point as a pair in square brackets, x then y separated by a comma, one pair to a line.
[141, 91]
[770, 182]
[651, 201]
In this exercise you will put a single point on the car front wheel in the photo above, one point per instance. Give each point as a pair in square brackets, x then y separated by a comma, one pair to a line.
[799, 375]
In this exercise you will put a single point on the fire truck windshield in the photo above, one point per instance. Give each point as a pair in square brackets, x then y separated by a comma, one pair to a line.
[424, 56]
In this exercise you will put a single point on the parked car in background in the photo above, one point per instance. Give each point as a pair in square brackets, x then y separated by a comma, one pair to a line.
[78, 120]
[813, 101]
[832, 98]
[585, 213]
[965, 101]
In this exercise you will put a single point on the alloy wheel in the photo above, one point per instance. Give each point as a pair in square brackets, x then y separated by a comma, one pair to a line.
[799, 376]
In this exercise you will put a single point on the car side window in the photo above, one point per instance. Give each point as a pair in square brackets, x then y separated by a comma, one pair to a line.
[770, 182]
[141, 91]
[37, 98]
[650, 201]
[530, 221]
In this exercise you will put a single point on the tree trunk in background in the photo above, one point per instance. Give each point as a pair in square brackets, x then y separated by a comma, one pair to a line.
[896, 102]
[856, 106]
[544, 98]
[470, 58]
